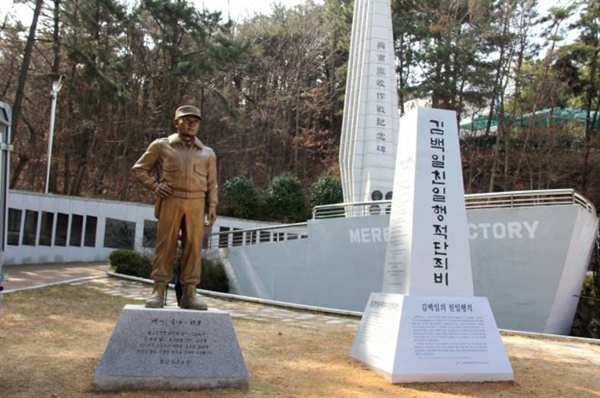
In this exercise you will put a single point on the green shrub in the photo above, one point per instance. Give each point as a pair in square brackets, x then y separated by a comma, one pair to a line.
[214, 277]
[587, 318]
[128, 262]
[326, 191]
[241, 198]
[286, 200]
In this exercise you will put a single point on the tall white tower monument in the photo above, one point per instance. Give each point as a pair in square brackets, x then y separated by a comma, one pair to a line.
[371, 121]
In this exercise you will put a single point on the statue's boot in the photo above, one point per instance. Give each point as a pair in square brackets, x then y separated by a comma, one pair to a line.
[157, 299]
[190, 301]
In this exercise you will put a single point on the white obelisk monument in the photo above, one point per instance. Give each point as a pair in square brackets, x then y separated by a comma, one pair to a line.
[370, 121]
[426, 325]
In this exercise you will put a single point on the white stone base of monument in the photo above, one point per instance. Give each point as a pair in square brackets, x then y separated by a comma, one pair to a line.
[414, 338]
[171, 349]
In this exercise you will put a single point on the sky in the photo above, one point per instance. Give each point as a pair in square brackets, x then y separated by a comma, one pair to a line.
[234, 9]
[237, 10]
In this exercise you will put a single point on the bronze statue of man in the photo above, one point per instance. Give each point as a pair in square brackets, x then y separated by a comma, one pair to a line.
[186, 194]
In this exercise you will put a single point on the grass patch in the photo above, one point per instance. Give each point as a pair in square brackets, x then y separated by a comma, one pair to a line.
[52, 339]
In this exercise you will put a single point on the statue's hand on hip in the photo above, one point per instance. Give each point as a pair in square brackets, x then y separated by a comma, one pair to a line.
[163, 190]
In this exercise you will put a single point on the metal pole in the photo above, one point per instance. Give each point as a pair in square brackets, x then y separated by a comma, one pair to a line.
[56, 86]
[50, 138]
[5, 148]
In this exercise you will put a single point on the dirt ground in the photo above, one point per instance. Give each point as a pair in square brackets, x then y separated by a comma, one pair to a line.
[52, 339]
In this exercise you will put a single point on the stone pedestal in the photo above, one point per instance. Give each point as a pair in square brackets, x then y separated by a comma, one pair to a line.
[411, 339]
[171, 349]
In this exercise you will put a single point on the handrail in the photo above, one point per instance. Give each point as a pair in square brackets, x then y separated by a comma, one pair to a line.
[250, 236]
[356, 209]
[511, 199]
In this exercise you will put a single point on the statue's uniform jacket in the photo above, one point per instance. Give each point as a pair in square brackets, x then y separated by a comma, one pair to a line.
[190, 170]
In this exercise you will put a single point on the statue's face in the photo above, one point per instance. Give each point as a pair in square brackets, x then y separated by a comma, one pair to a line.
[187, 126]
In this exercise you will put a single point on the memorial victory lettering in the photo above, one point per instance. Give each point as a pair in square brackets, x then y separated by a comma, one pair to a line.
[509, 230]
[497, 230]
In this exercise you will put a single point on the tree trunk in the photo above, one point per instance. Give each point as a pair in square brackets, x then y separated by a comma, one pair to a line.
[16, 111]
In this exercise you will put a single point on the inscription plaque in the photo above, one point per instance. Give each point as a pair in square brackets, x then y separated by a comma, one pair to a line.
[173, 349]
[412, 338]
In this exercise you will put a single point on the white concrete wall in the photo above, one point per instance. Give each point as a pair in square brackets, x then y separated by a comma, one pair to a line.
[101, 209]
[529, 262]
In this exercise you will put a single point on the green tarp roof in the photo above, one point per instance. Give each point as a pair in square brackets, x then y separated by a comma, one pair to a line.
[556, 115]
